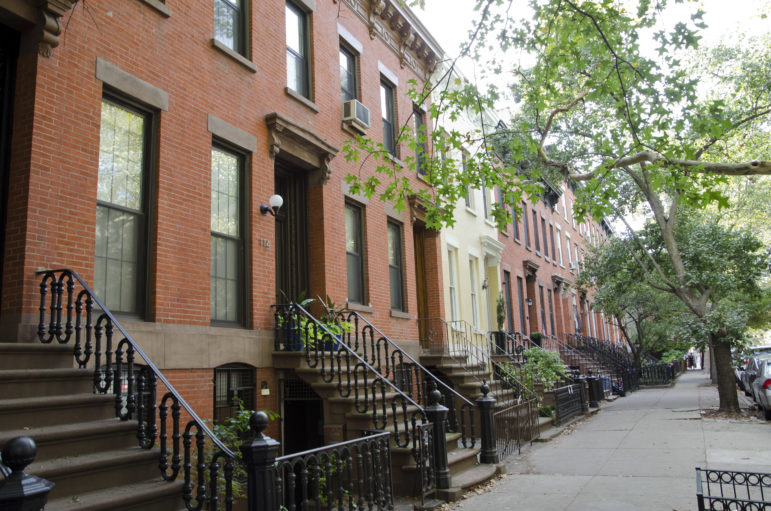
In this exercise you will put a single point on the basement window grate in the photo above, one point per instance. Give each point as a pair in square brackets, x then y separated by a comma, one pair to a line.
[297, 390]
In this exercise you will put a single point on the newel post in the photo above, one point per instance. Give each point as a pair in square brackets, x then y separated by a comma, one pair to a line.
[437, 414]
[21, 491]
[486, 405]
[259, 457]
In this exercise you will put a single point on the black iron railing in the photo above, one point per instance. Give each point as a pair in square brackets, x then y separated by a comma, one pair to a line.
[70, 312]
[659, 374]
[728, 489]
[349, 475]
[408, 374]
[326, 350]
[423, 453]
[570, 401]
[515, 425]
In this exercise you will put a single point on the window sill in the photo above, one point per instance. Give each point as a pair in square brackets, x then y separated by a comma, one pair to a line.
[538, 252]
[469, 210]
[359, 307]
[394, 159]
[158, 6]
[488, 222]
[422, 178]
[248, 64]
[302, 99]
[400, 314]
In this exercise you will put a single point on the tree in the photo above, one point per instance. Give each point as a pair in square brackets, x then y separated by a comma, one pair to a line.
[633, 127]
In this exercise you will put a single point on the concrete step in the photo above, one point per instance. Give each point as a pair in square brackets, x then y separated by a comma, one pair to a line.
[75, 475]
[23, 383]
[48, 411]
[152, 495]
[77, 439]
[16, 355]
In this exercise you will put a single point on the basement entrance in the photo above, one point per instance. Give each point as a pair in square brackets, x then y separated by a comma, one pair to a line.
[302, 417]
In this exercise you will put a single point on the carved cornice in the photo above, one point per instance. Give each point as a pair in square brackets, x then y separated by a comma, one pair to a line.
[561, 284]
[401, 31]
[531, 267]
[300, 146]
[52, 11]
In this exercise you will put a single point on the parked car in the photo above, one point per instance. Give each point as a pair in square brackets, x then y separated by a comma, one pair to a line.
[741, 363]
[751, 372]
[761, 387]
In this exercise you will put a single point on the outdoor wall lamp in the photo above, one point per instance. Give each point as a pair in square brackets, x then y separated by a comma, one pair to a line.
[275, 201]
[529, 302]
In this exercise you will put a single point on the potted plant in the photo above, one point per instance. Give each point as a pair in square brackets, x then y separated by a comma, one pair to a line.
[536, 337]
[292, 324]
[499, 336]
[330, 319]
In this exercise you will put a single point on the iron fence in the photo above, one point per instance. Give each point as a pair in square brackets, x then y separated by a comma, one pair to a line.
[570, 401]
[349, 475]
[718, 490]
[659, 374]
[515, 425]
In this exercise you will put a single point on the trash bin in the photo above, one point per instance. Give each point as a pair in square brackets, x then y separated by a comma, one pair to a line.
[595, 391]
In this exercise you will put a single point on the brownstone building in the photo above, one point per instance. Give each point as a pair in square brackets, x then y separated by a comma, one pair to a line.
[141, 139]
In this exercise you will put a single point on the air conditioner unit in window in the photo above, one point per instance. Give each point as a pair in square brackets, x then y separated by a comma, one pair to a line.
[356, 114]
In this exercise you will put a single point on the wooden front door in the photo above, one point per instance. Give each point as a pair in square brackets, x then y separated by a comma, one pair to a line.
[291, 235]
[419, 236]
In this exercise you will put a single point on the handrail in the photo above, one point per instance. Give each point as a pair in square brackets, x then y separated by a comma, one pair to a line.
[408, 356]
[105, 311]
[339, 340]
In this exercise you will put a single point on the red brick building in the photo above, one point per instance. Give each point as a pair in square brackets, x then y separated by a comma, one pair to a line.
[141, 138]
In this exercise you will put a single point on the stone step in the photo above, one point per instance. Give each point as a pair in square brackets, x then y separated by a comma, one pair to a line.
[15, 355]
[77, 439]
[75, 475]
[48, 411]
[153, 495]
[25, 383]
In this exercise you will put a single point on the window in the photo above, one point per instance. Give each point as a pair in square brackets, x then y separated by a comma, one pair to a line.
[232, 383]
[543, 308]
[230, 24]
[553, 248]
[389, 117]
[226, 272]
[121, 212]
[395, 270]
[521, 297]
[559, 246]
[420, 146]
[514, 223]
[564, 202]
[545, 239]
[507, 298]
[354, 253]
[575, 245]
[551, 310]
[452, 262]
[348, 82]
[524, 226]
[297, 51]
[570, 254]
[486, 201]
[469, 197]
[474, 298]
[535, 233]
[573, 218]
[576, 319]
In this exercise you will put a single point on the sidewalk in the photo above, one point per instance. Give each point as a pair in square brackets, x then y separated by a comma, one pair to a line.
[638, 453]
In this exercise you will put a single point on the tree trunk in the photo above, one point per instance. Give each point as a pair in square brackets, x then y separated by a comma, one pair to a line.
[726, 388]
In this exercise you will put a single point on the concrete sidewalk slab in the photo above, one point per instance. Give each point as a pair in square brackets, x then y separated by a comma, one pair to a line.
[638, 453]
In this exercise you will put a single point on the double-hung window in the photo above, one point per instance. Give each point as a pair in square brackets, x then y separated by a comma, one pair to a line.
[545, 238]
[395, 266]
[230, 24]
[297, 50]
[389, 117]
[474, 291]
[348, 74]
[515, 223]
[525, 226]
[420, 140]
[354, 252]
[226, 273]
[535, 232]
[120, 257]
[233, 389]
[452, 263]
[521, 299]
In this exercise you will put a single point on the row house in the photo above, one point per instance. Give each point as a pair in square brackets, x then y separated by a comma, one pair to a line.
[143, 142]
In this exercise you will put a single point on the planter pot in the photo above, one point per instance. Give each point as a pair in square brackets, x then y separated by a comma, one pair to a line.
[500, 341]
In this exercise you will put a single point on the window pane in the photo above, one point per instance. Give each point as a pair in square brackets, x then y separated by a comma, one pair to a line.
[395, 266]
[294, 31]
[225, 193]
[121, 156]
[347, 75]
[224, 271]
[227, 23]
[354, 255]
